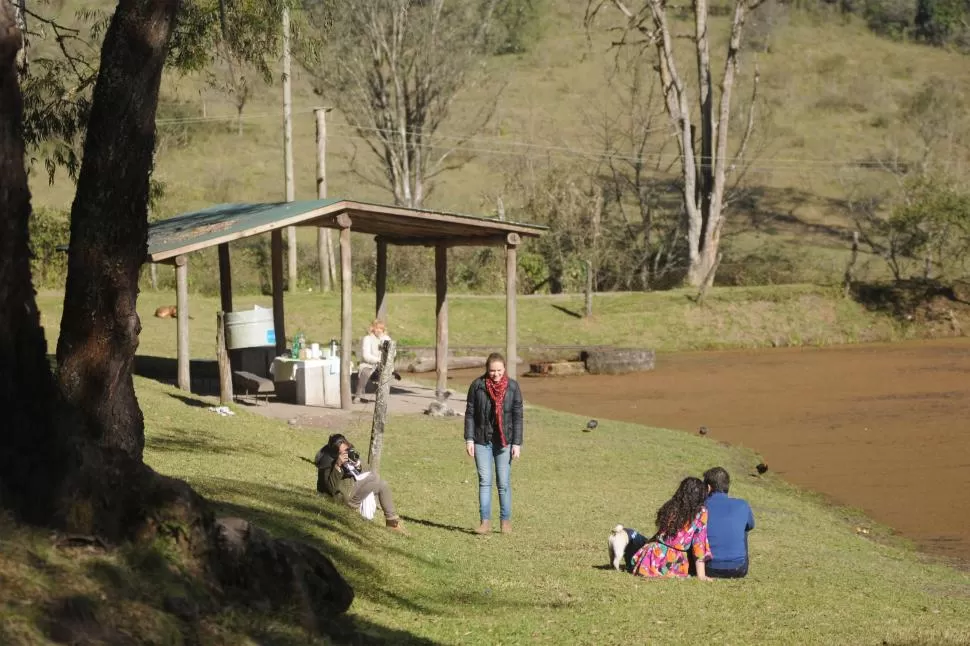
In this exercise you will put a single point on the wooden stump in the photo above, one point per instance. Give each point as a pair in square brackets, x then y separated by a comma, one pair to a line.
[619, 361]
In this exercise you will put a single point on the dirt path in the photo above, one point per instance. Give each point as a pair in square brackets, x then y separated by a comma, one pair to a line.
[885, 428]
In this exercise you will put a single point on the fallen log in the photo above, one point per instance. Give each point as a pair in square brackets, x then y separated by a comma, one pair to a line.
[556, 369]
[454, 363]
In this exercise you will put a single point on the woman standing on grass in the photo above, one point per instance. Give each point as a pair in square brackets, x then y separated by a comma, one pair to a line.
[493, 436]
[681, 533]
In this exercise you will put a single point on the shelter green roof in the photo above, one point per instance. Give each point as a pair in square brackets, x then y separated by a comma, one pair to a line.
[397, 225]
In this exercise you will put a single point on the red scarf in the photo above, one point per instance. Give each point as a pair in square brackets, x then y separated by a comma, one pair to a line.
[496, 390]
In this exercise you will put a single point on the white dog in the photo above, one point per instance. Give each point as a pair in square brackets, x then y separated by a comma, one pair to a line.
[618, 541]
[624, 544]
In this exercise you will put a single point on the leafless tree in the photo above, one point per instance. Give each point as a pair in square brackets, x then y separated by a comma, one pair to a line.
[394, 69]
[234, 78]
[636, 177]
[706, 161]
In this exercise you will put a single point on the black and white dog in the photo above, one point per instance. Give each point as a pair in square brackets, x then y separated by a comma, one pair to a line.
[624, 543]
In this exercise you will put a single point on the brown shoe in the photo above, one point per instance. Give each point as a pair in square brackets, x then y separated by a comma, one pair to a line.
[506, 526]
[485, 527]
[396, 526]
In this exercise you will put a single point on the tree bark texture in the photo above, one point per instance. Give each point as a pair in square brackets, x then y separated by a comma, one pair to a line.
[109, 227]
[388, 352]
[28, 395]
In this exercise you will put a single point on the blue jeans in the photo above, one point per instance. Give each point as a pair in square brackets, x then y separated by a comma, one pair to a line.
[485, 456]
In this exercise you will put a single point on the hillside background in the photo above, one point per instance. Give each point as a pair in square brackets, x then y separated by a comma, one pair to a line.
[835, 111]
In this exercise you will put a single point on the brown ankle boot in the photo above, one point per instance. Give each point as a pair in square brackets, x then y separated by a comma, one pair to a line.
[485, 527]
[396, 526]
[506, 526]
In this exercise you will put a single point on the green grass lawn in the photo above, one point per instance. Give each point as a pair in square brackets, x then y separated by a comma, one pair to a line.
[815, 579]
[664, 321]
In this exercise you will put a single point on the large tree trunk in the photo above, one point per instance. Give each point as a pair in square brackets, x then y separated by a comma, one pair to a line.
[53, 475]
[109, 227]
[27, 391]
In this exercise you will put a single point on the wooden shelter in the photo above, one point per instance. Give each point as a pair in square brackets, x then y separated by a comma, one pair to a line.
[171, 241]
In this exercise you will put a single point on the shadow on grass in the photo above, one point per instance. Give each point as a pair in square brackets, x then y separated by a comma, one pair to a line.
[566, 310]
[431, 523]
[174, 443]
[190, 401]
[98, 597]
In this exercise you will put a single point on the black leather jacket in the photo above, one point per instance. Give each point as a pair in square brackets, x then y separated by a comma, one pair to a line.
[480, 413]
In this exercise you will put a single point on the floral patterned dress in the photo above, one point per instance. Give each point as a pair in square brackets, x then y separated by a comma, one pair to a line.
[667, 556]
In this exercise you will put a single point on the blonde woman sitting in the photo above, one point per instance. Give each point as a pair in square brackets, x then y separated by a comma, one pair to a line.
[370, 355]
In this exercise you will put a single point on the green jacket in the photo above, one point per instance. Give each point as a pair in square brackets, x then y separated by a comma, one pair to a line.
[333, 480]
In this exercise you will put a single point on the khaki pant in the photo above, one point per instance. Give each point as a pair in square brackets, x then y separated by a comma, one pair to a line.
[372, 484]
[364, 374]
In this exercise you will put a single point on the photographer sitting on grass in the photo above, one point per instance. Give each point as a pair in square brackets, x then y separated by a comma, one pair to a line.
[344, 475]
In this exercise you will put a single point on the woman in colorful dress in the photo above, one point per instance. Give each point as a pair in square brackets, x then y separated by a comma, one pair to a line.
[681, 533]
[493, 436]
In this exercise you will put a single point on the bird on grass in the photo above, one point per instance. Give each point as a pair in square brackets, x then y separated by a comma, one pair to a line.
[702, 430]
[762, 468]
[590, 425]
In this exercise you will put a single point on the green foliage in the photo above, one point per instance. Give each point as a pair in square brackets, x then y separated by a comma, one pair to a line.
[49, 229]
[517, 26]
[940, 22]
[893, 18]
[930, 226]
[249, 29]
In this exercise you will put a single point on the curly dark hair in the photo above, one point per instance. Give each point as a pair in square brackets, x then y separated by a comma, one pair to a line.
[686, 502]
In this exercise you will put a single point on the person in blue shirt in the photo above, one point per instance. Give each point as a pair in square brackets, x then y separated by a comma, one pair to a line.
[728, 523]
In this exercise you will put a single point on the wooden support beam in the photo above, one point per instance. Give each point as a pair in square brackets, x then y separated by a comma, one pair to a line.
[457, 241]
[182, 321]
[511, 287]
[225, 277]
[324, 245]
[441, 319]
[222, 358]
[276, 262]
[346, 321]
[381, 306]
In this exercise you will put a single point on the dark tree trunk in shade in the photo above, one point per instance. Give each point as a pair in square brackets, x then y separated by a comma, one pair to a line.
[27, 390]
[109, 227]
[93, 482]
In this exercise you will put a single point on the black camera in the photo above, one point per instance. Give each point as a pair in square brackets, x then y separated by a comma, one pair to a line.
[353, 455]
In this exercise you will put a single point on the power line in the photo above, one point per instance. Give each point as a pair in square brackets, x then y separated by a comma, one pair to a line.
[513, 148]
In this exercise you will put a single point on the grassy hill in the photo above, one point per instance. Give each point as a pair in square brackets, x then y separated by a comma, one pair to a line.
[832, 95]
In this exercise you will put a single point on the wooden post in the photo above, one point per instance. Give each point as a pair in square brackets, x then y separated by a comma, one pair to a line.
[850, 268]
[388, 352]
[225, 277]
[589, 288]
[441, 320]
[324, 244]
[381, 306]
[182, 316]
[511, 287]
[346, 321]
[222, 357]
[288, 146]
[276, 261]
[153, 274]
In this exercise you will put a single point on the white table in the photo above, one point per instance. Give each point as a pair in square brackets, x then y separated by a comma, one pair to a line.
[317, 380]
